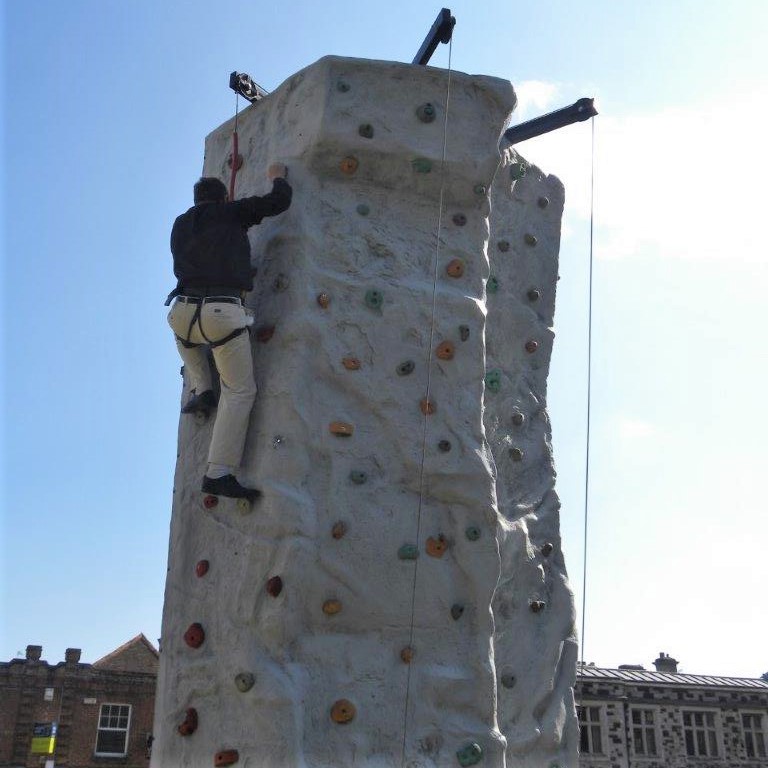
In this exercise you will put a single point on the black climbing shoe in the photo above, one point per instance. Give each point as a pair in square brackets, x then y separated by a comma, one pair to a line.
[229, 487]
[205, 401]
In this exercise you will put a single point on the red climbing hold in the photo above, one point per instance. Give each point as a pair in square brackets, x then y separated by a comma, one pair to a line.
[265, 333]
[436, 546]
[531, 346]
[274, 586]
[209, 502]
[351, 363]
[202, 567]
[349, 165]
[226, 757]
[341, 428]
[455, 268]
[338, 530]
[194, 637]
[189, 726]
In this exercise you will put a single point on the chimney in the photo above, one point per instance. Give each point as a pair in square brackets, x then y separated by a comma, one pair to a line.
[34, 652]
[665, 663]
[72, 656]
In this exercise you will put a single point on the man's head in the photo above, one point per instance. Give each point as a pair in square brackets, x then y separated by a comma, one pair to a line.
[210, 190]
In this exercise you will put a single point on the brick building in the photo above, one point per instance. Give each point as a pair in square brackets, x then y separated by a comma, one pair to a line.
[102, 711]
[635, 718]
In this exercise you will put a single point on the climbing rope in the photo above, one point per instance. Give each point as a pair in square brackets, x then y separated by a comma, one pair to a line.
[233, 175]
[428, 400]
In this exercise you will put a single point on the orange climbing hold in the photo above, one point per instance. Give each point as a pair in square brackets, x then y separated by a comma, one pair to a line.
[323, 299]
[407, 654]
[202, 568]
[349, 165]
[341, 428]
[436, 546]
[351, 363]
[331, 607]
[455, 268]
[226, 757]
[189, 726]
[338, 530]
[343, 711]
[445, 351]
[427, 406]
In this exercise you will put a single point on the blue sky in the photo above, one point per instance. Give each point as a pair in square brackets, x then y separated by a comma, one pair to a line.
[105, 108]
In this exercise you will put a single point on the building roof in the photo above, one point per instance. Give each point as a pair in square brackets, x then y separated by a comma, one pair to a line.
[667, 678]
[137, 655]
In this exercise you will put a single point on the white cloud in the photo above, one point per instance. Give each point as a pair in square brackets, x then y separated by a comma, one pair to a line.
[634, 429]
[533, 98]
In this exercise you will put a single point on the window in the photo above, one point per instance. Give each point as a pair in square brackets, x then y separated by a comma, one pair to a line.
[700, 734]
[644, 732]
[590, 727]
[754, 733]
[112, 736]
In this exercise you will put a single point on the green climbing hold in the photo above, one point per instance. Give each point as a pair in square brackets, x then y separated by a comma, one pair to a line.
[342, 86]
[463, 332]
[358, 477]
[408, 552]
[470, 755]
[493, 380]
[444, 446]
[426, 112]
[508, 680]
[503, 245]
[374, 299]
[530, 239]
[479, 189]
[492, 285]
[517, 171]
[363, 209]
[516, 454]
[366, 131]
[405, 367]
[456, 611]
[472, 533]
[421, 165]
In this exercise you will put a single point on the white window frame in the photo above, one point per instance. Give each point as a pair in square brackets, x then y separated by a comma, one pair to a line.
[716, 727]
[763, 729]
[126, 730]
[659, 754]
[601, 723]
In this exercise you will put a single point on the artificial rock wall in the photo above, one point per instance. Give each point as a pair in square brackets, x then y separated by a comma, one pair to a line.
[388, 602]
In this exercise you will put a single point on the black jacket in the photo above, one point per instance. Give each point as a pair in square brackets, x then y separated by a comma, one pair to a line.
[210, 241]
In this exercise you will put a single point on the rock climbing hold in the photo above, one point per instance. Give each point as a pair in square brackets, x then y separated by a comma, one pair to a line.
[531, 346]
[363, 209]
[426, 113]
[479, 189]
[209, 502]
[508, 680]
[408, 552]
[421, 165]
[444, 446]
[471, 754]
[366, 131]
[189, 726]
[343, 711]
[543, 202]
[202, 568]
[463, 332]
[244, 681]
[331, 607]
[472, 532]
[445, 350]
[492, 285]
[194, 637]
[547, 548]
[503, 245]
[516, 454]
[407, 654]
[351, 363]
[374, 299]
[274, 586]
[342, 85]
[517, 171]
[281, 283]
[518, 418]
[226, 757]
[349, 165]
[427, 406]
[455, 268]
[456, 611]
[338, 530]
[358, 477]
[493, 380]
[530, 239]
[238, 162]
[459, 219]
[341, 428]
[265, 333]
[323, 299]
[436, 545]
[405, 367]
[537, 606]
[533, 294]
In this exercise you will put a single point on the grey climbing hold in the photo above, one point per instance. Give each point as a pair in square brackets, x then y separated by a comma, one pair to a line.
[366, 131]
[421, 165]
[405, 367]
[342, 85]
[508, 680]
[471, 754]
[518, 418]
[479, 189]
[463, 332]
[363, 209]
[459, 219]
[533, 295]
[492, 285]
[516, 454]
[517, 171]
[444, 446]
[244, 681]
[493, 380]
[547, 548]
[456, 611]
[426, 113]
[472, 532]
[537, 606]
[408, 552]
[358, 477]
[281, 283]
[503, 245]
[374, 299]
[530, 239]
[543, 202]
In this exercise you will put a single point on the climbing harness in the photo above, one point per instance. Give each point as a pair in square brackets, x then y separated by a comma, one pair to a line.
[197, 318]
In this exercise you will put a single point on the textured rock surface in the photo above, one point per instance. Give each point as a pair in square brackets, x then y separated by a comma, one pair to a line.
[315, 673]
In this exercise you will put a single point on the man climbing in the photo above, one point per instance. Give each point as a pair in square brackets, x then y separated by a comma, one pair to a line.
[212, 263]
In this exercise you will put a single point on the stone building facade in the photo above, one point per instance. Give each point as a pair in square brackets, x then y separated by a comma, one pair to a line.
[102, 711]
[635, 718]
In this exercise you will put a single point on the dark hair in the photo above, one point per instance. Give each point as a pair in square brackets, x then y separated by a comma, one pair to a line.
[209, 190]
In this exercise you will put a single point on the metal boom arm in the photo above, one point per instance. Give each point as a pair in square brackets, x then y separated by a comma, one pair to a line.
[441, 32]
[583, 109]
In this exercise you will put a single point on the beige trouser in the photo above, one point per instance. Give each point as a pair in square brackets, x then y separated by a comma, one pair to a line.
[234, 363]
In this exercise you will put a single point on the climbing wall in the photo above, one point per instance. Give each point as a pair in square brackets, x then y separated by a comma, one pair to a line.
[348, 619]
